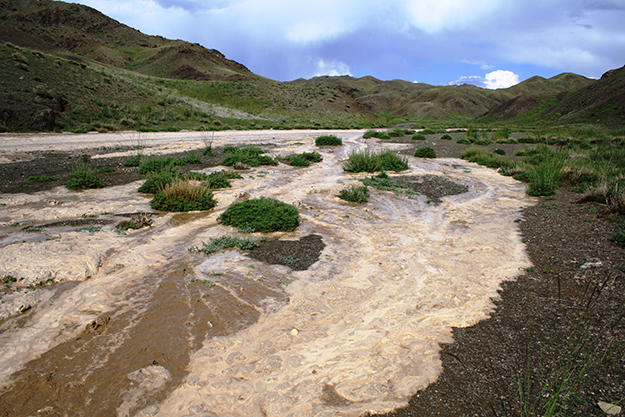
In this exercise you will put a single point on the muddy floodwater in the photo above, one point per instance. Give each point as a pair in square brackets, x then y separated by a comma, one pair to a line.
[99, 323]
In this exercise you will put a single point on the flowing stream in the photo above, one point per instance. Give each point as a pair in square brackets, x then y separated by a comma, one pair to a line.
[135, 324]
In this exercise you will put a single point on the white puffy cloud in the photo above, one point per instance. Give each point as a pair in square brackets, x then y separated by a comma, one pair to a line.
[501, 79]
[332, 68]
[492, 80]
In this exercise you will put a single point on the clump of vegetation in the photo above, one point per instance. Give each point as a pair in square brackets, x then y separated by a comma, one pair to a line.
[304, 159]
[261, 215]
[400, 133]
[499, 151]
[184, 195]
[105, 169]
[226, 242]
[155, 164]
[135, 161]
[250, 156]
[156, 180]
[483, 157]
[355, 194]
[328, 140]
[367, 161]
[418, 136]
[426, 152]
[446, 137]
[464, 141]
[375, 134]
[83, 177]
[127, 224]
[41, 178]
[383, 182]
[545, 178]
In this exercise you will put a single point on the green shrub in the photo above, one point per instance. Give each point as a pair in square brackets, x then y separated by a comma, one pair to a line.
[299, 161]
[367, 161]
[83, 178]
[363, 161]
[392, 162]
[464, 141]
[399, 133]
[42, 178]
[545, 178]
[216, 244]
[375, 134]
[183, 195]
[250, 156]
[418, 137]
[313, 156]
[155, 164]
[355, 194]
[501, 134]
[155, 180]
[190, 159]
[261, 215]
[426, 152]
[446, 137]
[329, 140]
[500, 151]
[135, 161]
[105, 169]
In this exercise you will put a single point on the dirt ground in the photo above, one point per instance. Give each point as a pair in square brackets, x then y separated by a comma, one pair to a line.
[567, 311]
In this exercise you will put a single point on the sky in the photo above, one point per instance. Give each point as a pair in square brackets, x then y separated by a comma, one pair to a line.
[488, 43]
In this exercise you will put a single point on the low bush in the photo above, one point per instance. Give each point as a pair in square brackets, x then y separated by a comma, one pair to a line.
[135, 161]
[446, 137]
[155, 180]
[426, 152]
[249, 156]
[464, 141]
[190, 159]
[392, 162]
[127, 224]
[216, 244]
[155, 164]
[184, 195]
[83, 177]
[545, 178]
[499, 151]
[355, 194]
[261, 215]
[400, 133]
[329, 140]
[418, 137]
[367, 161]
[299, 161]
[375, 134]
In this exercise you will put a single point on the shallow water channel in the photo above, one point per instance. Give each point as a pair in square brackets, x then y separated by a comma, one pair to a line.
[135, 324]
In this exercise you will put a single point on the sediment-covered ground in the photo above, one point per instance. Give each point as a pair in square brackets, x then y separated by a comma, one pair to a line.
[100, 323]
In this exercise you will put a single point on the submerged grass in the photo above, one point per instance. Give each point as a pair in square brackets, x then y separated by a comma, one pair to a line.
[226, 242]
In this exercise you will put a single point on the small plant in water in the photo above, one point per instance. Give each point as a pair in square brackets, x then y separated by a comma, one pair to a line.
[262, 214]
[355, 194]
[83, 177]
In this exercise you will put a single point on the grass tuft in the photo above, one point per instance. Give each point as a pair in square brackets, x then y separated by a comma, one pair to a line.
[226, 242]
[426, 152]
[355, 194]
[184, 195]
[83, 177]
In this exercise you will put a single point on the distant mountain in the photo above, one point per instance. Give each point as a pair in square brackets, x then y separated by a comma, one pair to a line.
[58, 27]
[423, 101]
[69, 67]
[575, 99]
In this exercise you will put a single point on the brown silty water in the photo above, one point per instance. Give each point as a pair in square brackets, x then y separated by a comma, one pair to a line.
[141, 326]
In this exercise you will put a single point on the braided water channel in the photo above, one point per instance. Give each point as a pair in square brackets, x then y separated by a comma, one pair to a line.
[138, 325]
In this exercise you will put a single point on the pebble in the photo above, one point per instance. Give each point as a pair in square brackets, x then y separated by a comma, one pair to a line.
[609, 409]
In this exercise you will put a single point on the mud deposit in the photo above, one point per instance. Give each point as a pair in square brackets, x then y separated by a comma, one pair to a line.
[341, 317]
